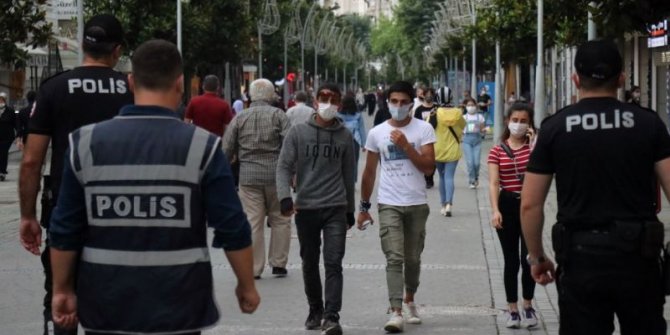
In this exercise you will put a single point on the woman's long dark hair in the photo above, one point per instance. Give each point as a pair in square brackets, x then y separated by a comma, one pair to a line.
[349, 105]
[518, 107]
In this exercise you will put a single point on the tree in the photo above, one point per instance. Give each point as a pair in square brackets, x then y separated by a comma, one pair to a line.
[387, 40]
[22, 22]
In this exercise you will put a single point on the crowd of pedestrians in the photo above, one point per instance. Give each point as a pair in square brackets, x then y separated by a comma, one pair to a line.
[131, 192]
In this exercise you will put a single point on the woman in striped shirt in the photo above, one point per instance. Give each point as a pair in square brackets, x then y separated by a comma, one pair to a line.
[507, 165]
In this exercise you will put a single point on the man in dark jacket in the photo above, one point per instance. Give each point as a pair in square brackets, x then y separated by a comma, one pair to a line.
[23, 118]
[320, 154]
[7, 134]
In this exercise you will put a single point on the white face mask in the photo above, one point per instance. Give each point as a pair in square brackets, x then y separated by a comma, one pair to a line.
[517, 129]
[399, 113]
[2, 106]
[327, 111]
[471, 109]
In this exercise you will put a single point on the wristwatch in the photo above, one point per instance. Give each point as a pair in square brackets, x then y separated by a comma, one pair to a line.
[365, 206]
[537, 261]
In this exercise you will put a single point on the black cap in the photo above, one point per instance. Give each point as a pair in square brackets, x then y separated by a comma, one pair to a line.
[103, 28]
[598, 60]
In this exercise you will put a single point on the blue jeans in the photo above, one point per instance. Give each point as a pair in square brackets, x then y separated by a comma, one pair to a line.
[446, 171]
[472, 150]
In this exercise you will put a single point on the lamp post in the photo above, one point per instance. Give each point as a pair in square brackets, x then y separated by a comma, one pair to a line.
[497, 102]
[80, 29]
[540, 111]
[320, 47]
[291, 35]
[473, 75]
[268, 24]
[306, 41]
[592, 32]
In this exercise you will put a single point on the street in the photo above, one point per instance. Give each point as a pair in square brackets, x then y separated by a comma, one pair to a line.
[461, 289]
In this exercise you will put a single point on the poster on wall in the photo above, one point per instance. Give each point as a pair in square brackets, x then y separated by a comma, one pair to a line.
[63, 9]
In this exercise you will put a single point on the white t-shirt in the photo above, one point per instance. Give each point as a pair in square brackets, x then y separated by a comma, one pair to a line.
[401, 183]
[473, 123]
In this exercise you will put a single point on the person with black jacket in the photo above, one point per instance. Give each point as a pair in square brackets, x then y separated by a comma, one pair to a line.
[607, 157]
[7, 134]
[22, 119]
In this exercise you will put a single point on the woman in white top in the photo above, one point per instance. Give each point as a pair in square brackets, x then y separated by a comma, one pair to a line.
[475, 128]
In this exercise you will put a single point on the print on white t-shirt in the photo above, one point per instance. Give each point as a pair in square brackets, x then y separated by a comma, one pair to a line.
[400, 183]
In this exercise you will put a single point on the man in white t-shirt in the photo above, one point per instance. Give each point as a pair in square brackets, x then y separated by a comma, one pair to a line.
[404, 146]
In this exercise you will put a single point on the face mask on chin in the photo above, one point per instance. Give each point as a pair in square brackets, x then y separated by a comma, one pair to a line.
[327, 111]
[399, 113]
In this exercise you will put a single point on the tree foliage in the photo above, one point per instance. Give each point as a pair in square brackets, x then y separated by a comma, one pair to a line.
[22, 22]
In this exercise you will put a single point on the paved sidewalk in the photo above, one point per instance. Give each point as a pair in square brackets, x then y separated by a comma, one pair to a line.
[461, 288]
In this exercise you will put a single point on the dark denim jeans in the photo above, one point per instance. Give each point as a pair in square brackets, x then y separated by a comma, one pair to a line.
[311, 224]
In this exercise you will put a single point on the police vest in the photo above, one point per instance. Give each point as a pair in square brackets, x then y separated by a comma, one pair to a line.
[145, 265]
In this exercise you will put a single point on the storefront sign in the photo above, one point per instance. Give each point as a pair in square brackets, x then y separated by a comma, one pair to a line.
[64, 9]
[664, 57]
[658, 34]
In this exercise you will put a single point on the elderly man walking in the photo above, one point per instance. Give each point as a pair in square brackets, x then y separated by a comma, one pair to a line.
[255, 137]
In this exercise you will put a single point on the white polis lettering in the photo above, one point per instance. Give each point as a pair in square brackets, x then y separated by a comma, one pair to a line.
[100, 86]
[605, 120]
[168, 208]
[137, 206]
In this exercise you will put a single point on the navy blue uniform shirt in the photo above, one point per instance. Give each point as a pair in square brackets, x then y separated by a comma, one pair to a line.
[222, 206]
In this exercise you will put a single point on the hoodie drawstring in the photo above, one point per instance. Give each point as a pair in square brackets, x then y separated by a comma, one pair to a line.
[318, 149]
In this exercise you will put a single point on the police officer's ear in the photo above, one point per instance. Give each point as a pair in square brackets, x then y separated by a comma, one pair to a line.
[179, 84]
[131, 82]
[621, 81]
[575, 79]
[117, 53]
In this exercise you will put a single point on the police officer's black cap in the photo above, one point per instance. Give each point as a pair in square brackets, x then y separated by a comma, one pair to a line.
[599, 60]
[103, 28]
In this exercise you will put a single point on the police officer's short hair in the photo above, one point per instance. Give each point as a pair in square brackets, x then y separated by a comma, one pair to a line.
[598, 64]
[156, 65]
[102, 34]
[401, 87]
[210, 83]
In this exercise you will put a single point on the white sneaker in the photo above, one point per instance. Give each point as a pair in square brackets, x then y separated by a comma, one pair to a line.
[395, 324]
[411, 314]
[472, 186]
[443, 210]
[529, 318]
[447, 210]
[513, 320]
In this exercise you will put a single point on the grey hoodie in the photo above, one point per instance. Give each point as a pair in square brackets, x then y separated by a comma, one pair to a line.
[323, 161]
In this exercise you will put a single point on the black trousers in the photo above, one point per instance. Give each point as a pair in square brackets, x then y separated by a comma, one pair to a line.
[311, 224]
[4, 155]
[595, 284]
[510, 237]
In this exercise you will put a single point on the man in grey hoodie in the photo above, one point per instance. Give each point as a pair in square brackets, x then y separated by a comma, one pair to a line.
[320, 154]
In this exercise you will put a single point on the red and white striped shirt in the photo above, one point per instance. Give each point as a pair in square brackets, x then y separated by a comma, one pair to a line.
[510, 169]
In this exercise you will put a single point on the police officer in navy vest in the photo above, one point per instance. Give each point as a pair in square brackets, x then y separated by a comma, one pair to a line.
[90, 93]
[606, 156]
[137, 195]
